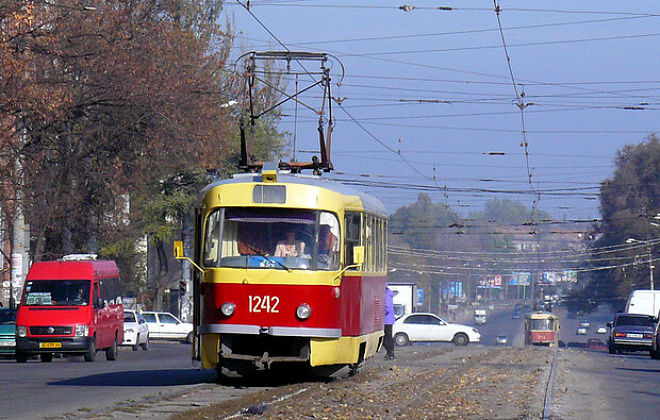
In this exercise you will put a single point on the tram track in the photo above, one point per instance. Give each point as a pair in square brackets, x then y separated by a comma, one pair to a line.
[437, 383]
[425, 382]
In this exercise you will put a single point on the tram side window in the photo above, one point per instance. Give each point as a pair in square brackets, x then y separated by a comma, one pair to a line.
[375, 231]
[212, 240]
[328, 241]
[369, 235]
[379, 241]
[353, 228]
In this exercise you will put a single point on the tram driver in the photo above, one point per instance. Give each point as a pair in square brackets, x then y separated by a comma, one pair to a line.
[290, 246]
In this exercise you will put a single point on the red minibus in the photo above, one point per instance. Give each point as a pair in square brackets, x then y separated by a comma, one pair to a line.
[70, 306]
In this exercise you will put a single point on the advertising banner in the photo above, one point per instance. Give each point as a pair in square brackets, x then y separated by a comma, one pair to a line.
[520, 278]
[490, 282]
[452, 289]
[420, 297]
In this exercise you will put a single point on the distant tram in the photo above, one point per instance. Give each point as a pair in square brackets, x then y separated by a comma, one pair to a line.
[542, 329]
[293, 271]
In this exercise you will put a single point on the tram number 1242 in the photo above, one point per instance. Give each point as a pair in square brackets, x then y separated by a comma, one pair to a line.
[268, 304]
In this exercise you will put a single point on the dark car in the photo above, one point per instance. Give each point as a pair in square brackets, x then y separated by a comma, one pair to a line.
[655, 344]
[631, 332]
[7, 332]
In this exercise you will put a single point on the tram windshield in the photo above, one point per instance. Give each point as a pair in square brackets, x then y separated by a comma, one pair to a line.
[547, 324]
[272, 238]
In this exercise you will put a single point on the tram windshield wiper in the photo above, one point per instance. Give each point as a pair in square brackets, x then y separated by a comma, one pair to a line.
[267, 258]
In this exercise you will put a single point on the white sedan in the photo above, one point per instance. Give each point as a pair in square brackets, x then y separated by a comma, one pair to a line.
[136, 330]
[164, 325]
[422, 326]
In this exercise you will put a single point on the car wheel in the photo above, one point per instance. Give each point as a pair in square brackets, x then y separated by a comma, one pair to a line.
[90, 354]
[189, 338]
[401, 339]
[111, 352]
[136, 346]
[461, 339]
[21, 357]
[46, 357]
[145, 345]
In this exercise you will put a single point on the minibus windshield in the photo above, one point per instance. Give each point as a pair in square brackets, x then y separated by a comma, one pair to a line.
[57, 293]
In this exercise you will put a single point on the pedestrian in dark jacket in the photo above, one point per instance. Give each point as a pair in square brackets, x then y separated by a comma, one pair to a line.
[388, 342]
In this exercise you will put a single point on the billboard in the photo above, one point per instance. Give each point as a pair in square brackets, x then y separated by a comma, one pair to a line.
[490, 282]
[452, 289]
[554, 277]
[520, 278]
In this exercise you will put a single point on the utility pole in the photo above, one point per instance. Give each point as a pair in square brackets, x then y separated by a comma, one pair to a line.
[651, 267]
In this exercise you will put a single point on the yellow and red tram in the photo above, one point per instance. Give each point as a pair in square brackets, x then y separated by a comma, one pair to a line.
[318, 305]
[542, 329]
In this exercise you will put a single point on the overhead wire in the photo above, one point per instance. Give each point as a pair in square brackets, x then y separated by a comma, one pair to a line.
[519, 101]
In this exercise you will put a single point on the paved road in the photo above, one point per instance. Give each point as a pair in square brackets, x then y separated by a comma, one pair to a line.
[588, 384]
[37, 390]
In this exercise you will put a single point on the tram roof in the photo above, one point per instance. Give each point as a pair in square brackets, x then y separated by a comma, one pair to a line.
[541, 315]
[369, 202]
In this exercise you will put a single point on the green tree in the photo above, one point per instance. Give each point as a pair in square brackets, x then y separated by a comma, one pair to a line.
[103, 107]
[629, 202]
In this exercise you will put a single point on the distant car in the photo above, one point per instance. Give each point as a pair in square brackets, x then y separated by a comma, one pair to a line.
[136, 330]
[7, 332]
[631, 332]
[164, 325]
[516, 314]
[596, 344]
[585, 324]
[424, 327]
[501, 340]
[602, 329]
[581, 331]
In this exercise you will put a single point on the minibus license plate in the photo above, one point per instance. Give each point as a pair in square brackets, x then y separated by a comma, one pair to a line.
[7, 343]
[50, 345]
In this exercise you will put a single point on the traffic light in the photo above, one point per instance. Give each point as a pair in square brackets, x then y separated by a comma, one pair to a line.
[182, 287]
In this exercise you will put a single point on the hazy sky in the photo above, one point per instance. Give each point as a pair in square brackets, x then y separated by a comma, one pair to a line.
[430, 104]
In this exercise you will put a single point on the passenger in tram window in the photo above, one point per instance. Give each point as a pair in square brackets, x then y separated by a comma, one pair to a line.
[290, 246]
[328, 243]
[250, 239]
[327, 240]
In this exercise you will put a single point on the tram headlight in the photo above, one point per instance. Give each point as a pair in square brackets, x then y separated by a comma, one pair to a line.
[227, 309]
[303, 311]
